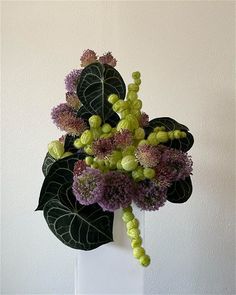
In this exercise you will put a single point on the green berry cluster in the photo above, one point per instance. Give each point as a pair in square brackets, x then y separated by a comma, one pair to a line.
[133, 232]
[130, 114]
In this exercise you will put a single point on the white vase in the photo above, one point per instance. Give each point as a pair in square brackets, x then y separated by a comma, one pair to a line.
[111, 268]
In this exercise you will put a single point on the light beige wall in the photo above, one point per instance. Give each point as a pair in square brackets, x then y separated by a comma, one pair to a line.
[185, 52]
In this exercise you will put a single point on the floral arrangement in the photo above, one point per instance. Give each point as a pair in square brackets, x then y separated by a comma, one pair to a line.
[110, 156]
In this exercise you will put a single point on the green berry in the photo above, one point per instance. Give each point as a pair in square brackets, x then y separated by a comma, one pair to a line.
[145, 260]
[136, 75]
[137, 174]
[139, 133]
[138, 252]
[171, 135]
[106, 128]
[123, 124]
[132, 224]
[133, 87]
[149, 173]
[86, 137]
[56, 149]
[136, 242]
[137, 81]
[129, 163]
[137, 104]
[128, 151]
[128, 209]
[89, 160]
[152, 139]
[113, 98]
[118, 165]
[95, 121]
[132, 95]
[177, 134]
[133, 233]
[88, 150]
[127, 216]
[78, 144]
[162, 136]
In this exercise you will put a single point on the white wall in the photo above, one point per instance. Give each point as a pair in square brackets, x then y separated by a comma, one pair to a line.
[185, 52]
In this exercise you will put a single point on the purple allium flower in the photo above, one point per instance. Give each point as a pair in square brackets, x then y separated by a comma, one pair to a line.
[144, 119]
[73, 100]
[118, 192]
[88, 57]
[148, 155]
[79, 167]
[149, 195]
[108, 58]
[72, 80]
[103, 147]
[174, 165]
[64, 117]
[123, 138]
[88, 187]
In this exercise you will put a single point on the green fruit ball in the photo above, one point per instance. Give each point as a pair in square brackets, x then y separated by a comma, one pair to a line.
[138, 252]
[129, 163]
[95, 121]
[145, 260]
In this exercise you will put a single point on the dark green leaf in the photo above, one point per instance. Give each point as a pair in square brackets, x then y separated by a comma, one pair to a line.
[183, 144]
[61, 172]
[96, 83]
[78, 226]
[69, 144]
[180, 191]
[47, 164]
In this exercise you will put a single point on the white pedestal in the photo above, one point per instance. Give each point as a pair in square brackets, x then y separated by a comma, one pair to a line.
[111, 269]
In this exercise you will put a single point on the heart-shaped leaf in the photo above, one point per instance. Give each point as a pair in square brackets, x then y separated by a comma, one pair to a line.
[97, 81]
[60, 173]
[78, 226]
[180, 191]
[183, 144]
[47, 164]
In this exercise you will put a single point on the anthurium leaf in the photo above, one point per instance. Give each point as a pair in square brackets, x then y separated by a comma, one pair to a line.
[69, 143]
[85, 114]
[183, 144]
[78, 226]
[97, 81]
[47, 164]
[61, 172]
[180, 191]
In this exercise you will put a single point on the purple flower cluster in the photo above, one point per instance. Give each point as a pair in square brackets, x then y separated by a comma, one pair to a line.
[144, 119]
[174, 165]
[108, 58]
[72, 100]
[150, 195]
[88, 187]
[64, 117]
[103, 147]
[123, 138]
[72, 80]
[148, 155]
[88, 57]
[119, 191]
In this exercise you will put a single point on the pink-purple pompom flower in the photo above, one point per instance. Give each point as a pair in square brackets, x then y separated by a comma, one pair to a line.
[150, 196]
[118, 192]
[72, 80]
[64, 117]
[88, 187]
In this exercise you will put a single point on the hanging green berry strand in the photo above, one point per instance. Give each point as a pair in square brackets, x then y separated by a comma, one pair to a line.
[132, 226]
